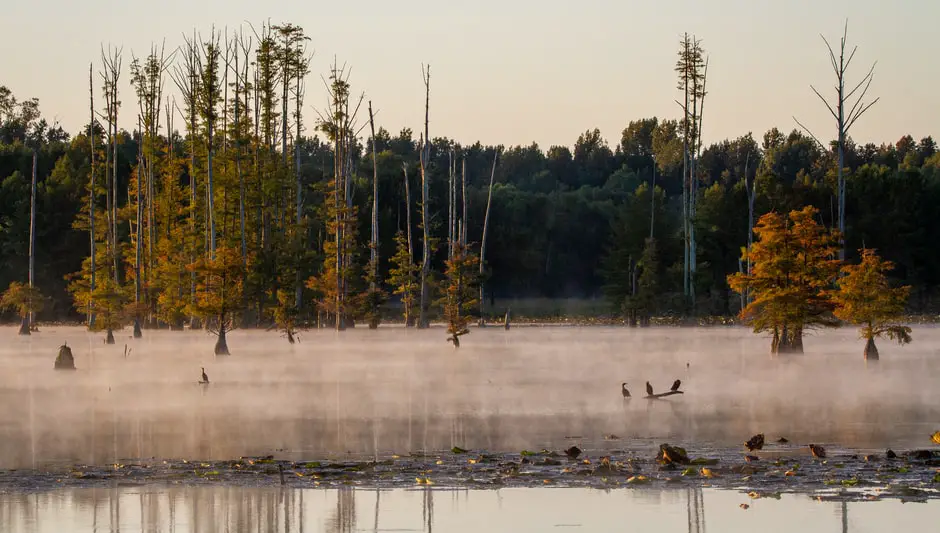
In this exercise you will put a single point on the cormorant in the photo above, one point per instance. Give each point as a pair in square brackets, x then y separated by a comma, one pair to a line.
[675, 385]
[623, 389]
[818, 451]
[205, 378]
[649, 388]
[755, 443]
[573, 452]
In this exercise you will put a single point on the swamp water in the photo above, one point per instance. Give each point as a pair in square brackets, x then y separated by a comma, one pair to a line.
[238, 509]
[383, 409]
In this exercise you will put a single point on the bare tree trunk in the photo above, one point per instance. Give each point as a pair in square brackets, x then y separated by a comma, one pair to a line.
[91, 196]
[653, 200]
[463, 197]
[409, 318]
[450, 205]
[424, 321]
[138, 242]
[844, 120]
[32, 237]
[486, 224]
[374, 244]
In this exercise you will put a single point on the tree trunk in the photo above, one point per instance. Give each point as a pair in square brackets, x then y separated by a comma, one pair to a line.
[32, 237]
[486, 223]
[424, 320]
[91, 197]
[24, 325]
[409, 318]
[871, 351]
[221, 347]
[110, 338]
[138, 249]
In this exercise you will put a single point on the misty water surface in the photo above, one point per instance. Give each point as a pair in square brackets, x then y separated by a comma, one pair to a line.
[214, 509]
[393, 391]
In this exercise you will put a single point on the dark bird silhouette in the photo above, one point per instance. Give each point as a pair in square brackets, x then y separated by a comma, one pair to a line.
[818, 451]
[782, 440]
[675, 385]
[649, 388]
[755, 443]
[623, 389]
[205, 378]
[573, 452]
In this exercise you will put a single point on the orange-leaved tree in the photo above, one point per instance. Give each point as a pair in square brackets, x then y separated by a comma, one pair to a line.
[219, 292]
[865, 298]
[794, 262]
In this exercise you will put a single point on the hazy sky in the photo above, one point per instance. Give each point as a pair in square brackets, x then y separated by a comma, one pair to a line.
[514, 71]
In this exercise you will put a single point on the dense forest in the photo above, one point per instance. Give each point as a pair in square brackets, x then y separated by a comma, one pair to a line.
[201, 198]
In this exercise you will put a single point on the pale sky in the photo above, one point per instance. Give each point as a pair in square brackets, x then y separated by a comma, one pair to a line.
[516, 71]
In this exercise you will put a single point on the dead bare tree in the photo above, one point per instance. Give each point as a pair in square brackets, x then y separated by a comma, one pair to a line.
[846, 111]
[486, 224]
[423, 320]
[111, 73]
[91, 194]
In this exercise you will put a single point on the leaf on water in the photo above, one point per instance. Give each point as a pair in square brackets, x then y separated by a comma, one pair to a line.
[689, 472]
[707, 472]
[439, 462]
[936, 438]
[936, 477]
[472, 461]
[212, 473]
[849, 482]
[315, 464]
[527, 453]
[903, 470]
[637, 479]
[458, 450]
[702, 461]
[745, 506]
[789, 473]
[753, 495]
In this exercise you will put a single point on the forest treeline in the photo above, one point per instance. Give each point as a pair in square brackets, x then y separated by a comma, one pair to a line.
[201, 195]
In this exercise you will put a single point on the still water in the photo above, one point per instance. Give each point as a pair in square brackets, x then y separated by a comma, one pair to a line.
[230, 509]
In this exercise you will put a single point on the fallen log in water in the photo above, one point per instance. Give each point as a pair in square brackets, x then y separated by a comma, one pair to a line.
[662, 394]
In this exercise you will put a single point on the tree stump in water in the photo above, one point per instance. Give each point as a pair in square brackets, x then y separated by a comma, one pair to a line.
[65, 360]
[110, 338]
[871, 351]
[506, 323]
[221, 347]
[24, 326]
[137, 333]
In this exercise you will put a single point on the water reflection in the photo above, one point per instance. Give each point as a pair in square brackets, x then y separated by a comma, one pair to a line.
[347, 510]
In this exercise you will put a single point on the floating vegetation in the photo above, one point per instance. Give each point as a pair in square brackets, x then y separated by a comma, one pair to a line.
[914, 476]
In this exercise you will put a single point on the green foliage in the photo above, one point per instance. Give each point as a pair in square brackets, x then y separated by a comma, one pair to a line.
[218, 289]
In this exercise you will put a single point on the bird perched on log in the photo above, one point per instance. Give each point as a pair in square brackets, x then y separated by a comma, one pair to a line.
[675, 385]
[624, 391]
[818, 451]
[205, 378]
[755, 443]
[649, 388]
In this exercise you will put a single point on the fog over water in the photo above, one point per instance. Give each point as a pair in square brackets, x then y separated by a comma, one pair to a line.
[363, 393]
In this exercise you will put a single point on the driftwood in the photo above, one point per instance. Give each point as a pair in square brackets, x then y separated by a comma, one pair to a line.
[662, 394]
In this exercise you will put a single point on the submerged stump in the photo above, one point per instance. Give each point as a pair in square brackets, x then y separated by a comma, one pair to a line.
[110, 338]
[221, 347]
[24, 326]
[871, 351]
[137, 333]
[65, 360]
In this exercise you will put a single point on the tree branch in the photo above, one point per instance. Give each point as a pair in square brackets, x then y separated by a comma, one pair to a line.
[831, 111]
[821, 145]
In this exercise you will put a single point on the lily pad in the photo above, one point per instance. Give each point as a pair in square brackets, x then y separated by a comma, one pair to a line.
[458, 450]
